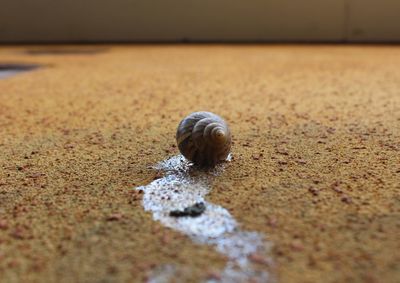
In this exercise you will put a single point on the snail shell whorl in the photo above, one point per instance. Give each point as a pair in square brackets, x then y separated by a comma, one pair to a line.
[204, 138]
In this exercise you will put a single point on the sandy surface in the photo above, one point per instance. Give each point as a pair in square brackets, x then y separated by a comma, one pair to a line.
[316, 159]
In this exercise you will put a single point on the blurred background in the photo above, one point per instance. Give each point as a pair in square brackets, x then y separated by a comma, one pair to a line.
[27, 21]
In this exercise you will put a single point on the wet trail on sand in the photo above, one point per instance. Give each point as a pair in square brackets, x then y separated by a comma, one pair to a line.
[183, 186]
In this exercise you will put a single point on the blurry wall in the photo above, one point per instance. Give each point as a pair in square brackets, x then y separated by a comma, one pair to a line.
[199, 20]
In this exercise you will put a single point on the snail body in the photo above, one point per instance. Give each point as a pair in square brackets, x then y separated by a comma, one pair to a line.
[204, 138]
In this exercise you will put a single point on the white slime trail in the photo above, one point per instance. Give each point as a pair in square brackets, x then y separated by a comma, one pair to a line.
[181, 187]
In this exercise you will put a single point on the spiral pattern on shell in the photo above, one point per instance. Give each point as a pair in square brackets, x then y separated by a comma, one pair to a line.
[204, 138]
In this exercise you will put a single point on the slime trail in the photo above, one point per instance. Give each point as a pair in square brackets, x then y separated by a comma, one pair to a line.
[182, 187]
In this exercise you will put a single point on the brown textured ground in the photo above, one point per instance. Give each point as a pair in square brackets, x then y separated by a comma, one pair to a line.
[316, 158]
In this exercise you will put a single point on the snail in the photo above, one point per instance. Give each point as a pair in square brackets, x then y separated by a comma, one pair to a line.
[204, 139]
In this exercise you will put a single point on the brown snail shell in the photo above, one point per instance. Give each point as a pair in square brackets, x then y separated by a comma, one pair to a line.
[204, 138]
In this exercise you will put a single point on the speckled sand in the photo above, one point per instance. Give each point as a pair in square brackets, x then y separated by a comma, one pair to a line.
[316, 159]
